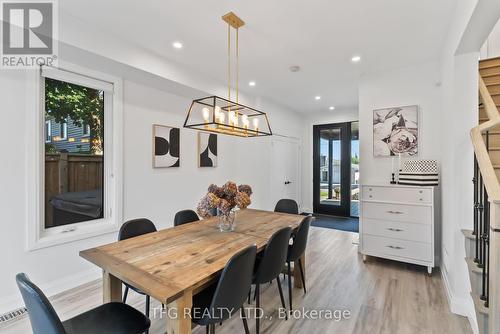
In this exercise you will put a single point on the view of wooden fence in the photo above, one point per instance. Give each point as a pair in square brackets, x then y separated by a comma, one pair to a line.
[70, 172]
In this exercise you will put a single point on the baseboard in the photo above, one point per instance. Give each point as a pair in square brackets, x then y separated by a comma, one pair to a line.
[460, 306]
[52, 288]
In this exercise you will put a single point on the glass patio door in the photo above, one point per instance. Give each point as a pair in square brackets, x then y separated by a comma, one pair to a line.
[332, 169]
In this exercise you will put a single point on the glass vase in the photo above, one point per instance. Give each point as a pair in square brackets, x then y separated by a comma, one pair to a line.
[226, 220]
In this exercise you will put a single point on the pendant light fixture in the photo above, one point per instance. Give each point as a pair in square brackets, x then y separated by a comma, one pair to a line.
[225, 116]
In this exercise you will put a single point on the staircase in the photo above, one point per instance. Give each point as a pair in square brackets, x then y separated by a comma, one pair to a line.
[483, 242]
[489, 70]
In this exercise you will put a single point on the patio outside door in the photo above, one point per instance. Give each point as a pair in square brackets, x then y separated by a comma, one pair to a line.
[332, 169]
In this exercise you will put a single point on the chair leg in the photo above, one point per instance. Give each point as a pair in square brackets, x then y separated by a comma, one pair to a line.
[207, 329]
[281, 297]
[290, 286]
[257, 309]
[249, 294]
[244, 318]
[302, 276]
[148, 300]
[147, 309]
[125, 294]
[212, 326]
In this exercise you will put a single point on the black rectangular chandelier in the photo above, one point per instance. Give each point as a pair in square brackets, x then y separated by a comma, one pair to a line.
[219, 115]
[224, 116]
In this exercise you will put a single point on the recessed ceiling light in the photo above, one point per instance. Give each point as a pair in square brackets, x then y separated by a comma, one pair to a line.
[177, 45]
[251, 83]
[317, 97]
[355, 59]
[332, 108]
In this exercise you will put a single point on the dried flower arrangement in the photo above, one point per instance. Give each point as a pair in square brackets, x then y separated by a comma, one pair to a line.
[224, 198]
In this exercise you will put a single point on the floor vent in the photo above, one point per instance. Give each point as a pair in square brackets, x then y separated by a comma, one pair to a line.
[13, 315]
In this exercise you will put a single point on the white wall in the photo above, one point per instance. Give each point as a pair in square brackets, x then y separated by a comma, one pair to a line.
[334, 116]
[148, 192]
[491, 48]
[414, 85]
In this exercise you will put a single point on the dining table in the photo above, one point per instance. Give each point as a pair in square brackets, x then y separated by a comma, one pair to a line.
[173, 264]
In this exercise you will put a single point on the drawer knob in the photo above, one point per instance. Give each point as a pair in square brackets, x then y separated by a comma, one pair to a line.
[395, 212]
[421, 199]
[395, 229]
[395, 247]
[370, 196]
[421, 191]
[370, 189]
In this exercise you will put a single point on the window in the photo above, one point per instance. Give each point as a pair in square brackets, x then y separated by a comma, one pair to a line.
[48, 131]
[76, 178]
[63, 127]
[86, 130]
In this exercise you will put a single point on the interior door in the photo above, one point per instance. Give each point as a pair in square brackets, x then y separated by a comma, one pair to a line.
[285, 171]
[332, 169]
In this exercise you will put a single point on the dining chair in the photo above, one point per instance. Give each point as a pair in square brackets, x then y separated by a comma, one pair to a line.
[215, 303]
[130, 229]
[269, 264]
[184, 217]
[286, 205]
[115, 317]
[295, 252]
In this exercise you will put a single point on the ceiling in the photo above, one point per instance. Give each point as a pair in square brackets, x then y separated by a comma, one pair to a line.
[320, 36]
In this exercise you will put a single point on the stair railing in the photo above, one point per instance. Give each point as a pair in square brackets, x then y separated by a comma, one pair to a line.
[487, 211]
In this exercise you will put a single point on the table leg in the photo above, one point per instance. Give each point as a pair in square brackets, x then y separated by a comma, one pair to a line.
[297, 280]
[178, 319]
[111, 288]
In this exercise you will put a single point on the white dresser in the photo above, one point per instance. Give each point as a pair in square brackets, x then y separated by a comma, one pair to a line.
[398, 222]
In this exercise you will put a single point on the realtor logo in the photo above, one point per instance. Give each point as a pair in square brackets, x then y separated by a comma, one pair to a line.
[28, 34]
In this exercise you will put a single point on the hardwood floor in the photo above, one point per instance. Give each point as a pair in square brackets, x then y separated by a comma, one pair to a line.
[382, 296]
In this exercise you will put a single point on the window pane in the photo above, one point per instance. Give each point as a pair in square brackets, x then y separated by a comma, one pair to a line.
[74, 162]
[330, 148]
[355, 169]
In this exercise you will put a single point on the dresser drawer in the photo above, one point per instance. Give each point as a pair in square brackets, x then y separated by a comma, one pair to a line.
[398, 212]
[398, 230]
[397, 194]
[395, 247]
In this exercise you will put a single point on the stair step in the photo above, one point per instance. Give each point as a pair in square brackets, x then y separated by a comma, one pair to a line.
[479, 304]
[468, 234]
[493, 80]
[490, 62]
[473, 266]
[490, 71]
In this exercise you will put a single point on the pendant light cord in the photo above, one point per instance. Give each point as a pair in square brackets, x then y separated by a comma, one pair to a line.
[228, 62]
[237, 66]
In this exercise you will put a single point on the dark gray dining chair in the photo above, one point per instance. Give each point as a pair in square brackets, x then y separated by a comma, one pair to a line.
[184, 217]
[295, 252]
[130, 229]
[217, 303]
[286, 205]
[111, 318]
[269, 265]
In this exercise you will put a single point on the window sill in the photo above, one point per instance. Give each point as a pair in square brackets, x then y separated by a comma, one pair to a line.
[71, 233]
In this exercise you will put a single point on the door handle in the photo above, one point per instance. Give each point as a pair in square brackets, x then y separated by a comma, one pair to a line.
[395, 247]
[395, 212]
[287, 182]
[395, 229]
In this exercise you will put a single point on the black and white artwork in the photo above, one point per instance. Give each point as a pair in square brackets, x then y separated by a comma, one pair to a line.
[207, 149]
[166, 146]
[395, 131]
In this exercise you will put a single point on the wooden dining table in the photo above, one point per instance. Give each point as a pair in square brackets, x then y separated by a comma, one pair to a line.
[174, 264]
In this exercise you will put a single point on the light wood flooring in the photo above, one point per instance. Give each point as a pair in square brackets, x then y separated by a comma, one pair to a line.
[382, 296]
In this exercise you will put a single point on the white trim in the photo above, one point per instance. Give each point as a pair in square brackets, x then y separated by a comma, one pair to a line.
[78, 78]
[460, 306]
[53, 288]
[37, 236]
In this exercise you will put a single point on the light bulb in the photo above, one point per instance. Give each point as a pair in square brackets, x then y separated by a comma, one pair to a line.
[256, 123]
[230, 117]
[206, 113]
[244, 120]
[222, 117]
